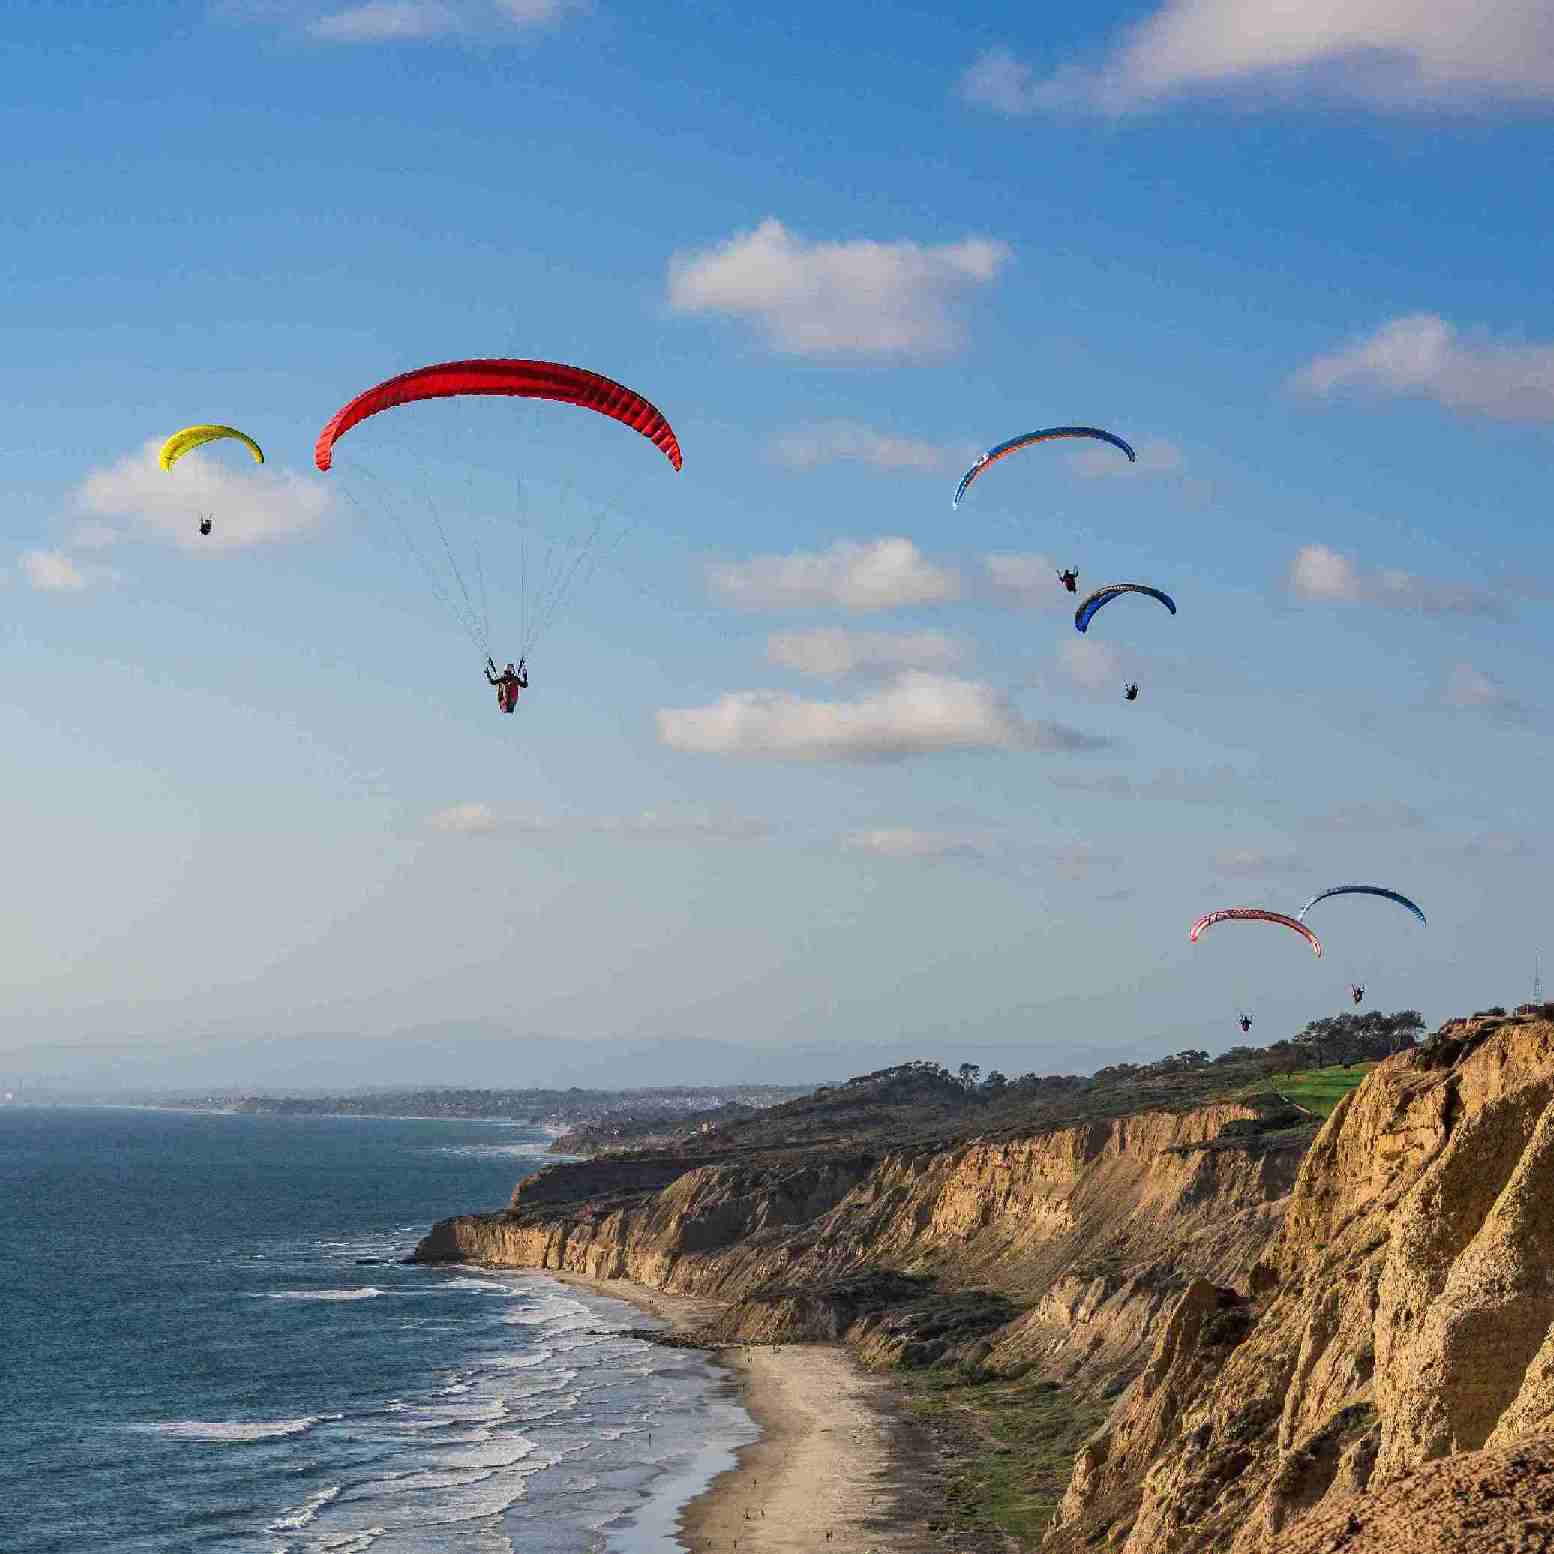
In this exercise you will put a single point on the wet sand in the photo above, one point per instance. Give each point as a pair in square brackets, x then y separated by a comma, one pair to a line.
[838, 1469]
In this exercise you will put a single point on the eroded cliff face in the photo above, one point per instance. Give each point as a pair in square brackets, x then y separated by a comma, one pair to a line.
[1084, 1236]
[1404, 1313]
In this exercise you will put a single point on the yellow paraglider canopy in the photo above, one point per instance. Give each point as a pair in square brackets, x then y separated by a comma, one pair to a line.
[196, 436]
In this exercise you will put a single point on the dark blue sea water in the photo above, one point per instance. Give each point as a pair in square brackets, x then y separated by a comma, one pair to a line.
[193, 1355]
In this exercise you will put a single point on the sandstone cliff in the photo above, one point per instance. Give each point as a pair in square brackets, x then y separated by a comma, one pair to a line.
[1404, 1313]
[1080, 1237]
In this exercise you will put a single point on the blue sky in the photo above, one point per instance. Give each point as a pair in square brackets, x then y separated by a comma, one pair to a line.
[809, 755]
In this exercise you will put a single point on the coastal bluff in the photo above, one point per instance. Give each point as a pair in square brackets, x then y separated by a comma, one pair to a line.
[1289, 1330]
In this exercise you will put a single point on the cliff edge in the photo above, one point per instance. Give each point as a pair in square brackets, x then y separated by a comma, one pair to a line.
[1076, 1240]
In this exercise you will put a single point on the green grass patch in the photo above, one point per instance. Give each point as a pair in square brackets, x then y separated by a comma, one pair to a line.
[1010, 1448]
[1321, 1089]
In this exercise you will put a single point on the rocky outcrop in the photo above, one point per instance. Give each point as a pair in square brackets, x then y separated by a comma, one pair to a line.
[1404, 1313]
[1496, 1501]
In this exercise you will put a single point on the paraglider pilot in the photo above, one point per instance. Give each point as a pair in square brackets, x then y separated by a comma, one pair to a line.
[1357, 992]
[205, 524]
[1069, 578]
[508, 683]
[1131, 691]
[1245, 1023]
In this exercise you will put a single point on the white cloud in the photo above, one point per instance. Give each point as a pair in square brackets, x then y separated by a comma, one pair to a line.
[997, 79]
[1321, 575]
[882, 574]
[1391, 52]
[833, 651]
[916, 714]
[466, 820]
[683, 823]
[674, 823]
[836, 442]
[859, 298]
[52, 571]
[1092, 664]
[997, 853]
[403, 21]
[381, 21]
[1423, 356]
[904, 842]
[136, 499]
[1026, 581]
[1475, 689]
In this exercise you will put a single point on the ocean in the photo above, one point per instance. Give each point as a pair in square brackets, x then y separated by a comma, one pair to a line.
[208, 1342]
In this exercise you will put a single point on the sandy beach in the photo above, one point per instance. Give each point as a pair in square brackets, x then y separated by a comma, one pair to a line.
[838, 1469]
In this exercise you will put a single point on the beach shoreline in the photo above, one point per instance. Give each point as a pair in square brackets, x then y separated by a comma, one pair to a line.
[839, 1467]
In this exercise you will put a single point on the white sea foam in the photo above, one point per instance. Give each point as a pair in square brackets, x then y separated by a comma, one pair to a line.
[232, 1429]
[299, 1516]
[367, 1292]
[438, 1416]
[430, 1499]
[557, 1382]
[503, 1451]
[434, 1478]
[547, 1307]
[517, 1362]
[496, 1151]
[351, 1542]
[479, 1286]
[547, 1407]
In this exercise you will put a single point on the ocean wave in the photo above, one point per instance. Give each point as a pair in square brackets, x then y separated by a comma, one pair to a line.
[554, 1323]
[367, 1292]
[503, 1451]
[568, 1341]
[559, 1381]
[231, 1429]
[351, 1542]
[439, 1416]
[496, 1151]
[429, 1499]
[546, 1407]
[479, 1286]
[517, 1362]
[425, 1478]
[298, 1517]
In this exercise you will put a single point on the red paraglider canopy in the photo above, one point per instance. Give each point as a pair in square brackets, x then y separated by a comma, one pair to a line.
[524, 379]
[1253, 915]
